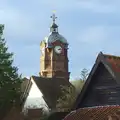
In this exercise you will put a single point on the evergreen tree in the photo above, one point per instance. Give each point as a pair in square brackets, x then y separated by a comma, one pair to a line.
[10, 80]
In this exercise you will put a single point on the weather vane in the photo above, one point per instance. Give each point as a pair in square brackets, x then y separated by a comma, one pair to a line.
[53, 16]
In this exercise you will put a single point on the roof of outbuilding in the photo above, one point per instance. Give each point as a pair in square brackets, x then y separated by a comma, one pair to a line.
[50, 88]
[95, 113]
[25, 88]
[111, 63]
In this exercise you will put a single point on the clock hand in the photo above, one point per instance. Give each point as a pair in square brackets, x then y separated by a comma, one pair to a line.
[59, 49]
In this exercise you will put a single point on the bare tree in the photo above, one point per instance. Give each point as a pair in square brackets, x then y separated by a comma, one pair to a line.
[84, 74]
[67, 99]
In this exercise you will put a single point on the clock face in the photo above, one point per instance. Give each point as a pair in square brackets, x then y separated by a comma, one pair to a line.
[58, 49]
[43, 51]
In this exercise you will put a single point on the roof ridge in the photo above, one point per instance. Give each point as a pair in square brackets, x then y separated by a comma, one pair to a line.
[100, 106]
[111, 55]
[35, 76]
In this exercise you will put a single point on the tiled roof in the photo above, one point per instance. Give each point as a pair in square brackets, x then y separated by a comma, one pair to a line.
[114, 62]
[50, 88]
[25, 88]
[95, 113]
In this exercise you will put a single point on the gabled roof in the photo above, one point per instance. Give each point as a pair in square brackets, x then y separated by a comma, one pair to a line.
[50, 88]
[95, 113]
[25, 88]
[111, 63]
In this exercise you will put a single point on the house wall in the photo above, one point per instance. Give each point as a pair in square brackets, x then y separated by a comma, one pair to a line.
[35, 99]
[102, 90]
[34, 114]
[14, 114]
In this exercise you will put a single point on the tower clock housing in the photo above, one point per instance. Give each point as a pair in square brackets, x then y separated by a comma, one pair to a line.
[54, 54]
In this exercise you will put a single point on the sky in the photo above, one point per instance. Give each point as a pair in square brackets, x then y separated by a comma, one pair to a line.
[90, 26]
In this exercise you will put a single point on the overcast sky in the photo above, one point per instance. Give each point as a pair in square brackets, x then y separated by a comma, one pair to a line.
[90, 26]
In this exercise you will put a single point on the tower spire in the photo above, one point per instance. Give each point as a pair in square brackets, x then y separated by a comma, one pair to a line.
[53, 17]
[54, 27]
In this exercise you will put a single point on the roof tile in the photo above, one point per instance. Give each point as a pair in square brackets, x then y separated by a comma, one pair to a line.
[50, 87]
[114, 62]
[95, 113]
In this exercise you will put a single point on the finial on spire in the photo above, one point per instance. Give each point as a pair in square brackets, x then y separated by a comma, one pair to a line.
[54, 17]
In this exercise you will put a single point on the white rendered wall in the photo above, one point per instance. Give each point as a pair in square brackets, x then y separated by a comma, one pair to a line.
[35, 98]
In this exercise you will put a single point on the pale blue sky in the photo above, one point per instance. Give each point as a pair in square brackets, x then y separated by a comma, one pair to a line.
[90, 26]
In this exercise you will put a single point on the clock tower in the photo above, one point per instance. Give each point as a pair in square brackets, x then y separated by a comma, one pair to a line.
[54, 54]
